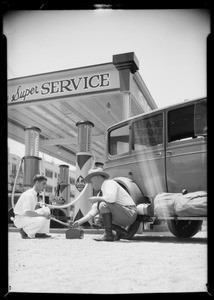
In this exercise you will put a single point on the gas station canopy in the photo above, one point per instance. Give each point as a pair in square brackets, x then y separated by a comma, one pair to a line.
[54, 102]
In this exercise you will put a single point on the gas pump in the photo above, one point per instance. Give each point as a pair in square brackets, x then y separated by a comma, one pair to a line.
[31, 158]
[63, 189]
[83, 165]
[32, 167]
[62, 196]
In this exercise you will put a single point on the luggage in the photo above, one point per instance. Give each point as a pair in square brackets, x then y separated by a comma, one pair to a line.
[74, 233]
[191, 204]
[164, 204]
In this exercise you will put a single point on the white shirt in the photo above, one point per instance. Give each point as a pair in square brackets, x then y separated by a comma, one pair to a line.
[27, 201]
[113, 193]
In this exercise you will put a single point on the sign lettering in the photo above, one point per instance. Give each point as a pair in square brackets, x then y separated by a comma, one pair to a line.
[64, 86]
[24, 93]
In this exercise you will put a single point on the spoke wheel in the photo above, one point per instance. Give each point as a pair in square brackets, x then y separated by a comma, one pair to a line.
[184, 228]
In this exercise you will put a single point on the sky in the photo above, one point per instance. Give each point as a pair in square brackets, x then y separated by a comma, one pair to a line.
[170, 45]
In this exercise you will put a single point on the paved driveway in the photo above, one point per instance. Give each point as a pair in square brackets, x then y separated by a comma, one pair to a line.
[150, 263]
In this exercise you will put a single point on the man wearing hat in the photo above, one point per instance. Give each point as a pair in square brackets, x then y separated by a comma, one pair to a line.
[115, 205]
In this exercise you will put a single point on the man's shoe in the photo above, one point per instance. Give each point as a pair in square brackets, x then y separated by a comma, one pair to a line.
[23, 233]
[42, 235]
[105, 237]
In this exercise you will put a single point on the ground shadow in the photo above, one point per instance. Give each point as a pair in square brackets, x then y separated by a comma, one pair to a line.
[167, 239]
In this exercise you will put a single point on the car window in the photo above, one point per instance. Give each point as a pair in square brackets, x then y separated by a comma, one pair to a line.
[200, 119]
[119, 140]
[148, 132]
[181, 123]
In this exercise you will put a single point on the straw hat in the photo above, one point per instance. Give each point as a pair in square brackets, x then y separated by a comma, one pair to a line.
[96, 172]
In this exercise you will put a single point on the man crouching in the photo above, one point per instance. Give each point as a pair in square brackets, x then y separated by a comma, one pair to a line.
[32, 222]
[115, 205]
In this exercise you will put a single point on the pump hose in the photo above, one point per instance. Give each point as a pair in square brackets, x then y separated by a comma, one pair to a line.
[49, 205]
[69, 204]
[14, 185]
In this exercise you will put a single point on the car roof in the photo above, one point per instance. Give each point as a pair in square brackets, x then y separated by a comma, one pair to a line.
[157, 110]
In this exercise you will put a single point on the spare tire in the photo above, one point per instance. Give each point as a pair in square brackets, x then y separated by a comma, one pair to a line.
[131, 187]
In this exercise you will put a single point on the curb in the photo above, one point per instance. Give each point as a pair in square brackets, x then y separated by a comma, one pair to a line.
[63, 230]
[156, 228]
[93, 230]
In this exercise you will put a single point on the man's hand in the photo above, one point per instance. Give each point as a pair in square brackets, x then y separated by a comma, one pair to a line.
[43, 212]
[75, 224]
[48, 216]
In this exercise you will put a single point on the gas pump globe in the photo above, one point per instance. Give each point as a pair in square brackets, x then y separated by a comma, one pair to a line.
[32, 141]
[31, 159]
[84, 136]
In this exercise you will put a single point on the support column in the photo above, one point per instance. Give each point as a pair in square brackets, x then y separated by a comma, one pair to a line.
[127, 64]
[83, 165]
[126, 105]
[31, 159]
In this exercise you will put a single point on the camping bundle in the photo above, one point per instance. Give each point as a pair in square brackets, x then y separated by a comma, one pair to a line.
[177, 204]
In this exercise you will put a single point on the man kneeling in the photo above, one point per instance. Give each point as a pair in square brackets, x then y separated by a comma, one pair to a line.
[115, 205]
[32, 222]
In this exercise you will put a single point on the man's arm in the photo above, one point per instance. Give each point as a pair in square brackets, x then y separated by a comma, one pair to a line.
[95, 199]
[33, 214]
[81, 221]
[92, 213]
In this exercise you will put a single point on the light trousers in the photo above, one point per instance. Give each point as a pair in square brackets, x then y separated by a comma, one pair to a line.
[121, 215]
[33, 225]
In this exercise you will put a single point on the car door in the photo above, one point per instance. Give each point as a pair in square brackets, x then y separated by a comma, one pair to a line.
[148, 155]
[185, 149]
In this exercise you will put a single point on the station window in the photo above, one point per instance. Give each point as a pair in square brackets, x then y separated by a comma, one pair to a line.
[48, 173]
[13, 169]
[48, 188]
[119, 140]
[148, 132]
[181, 123]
